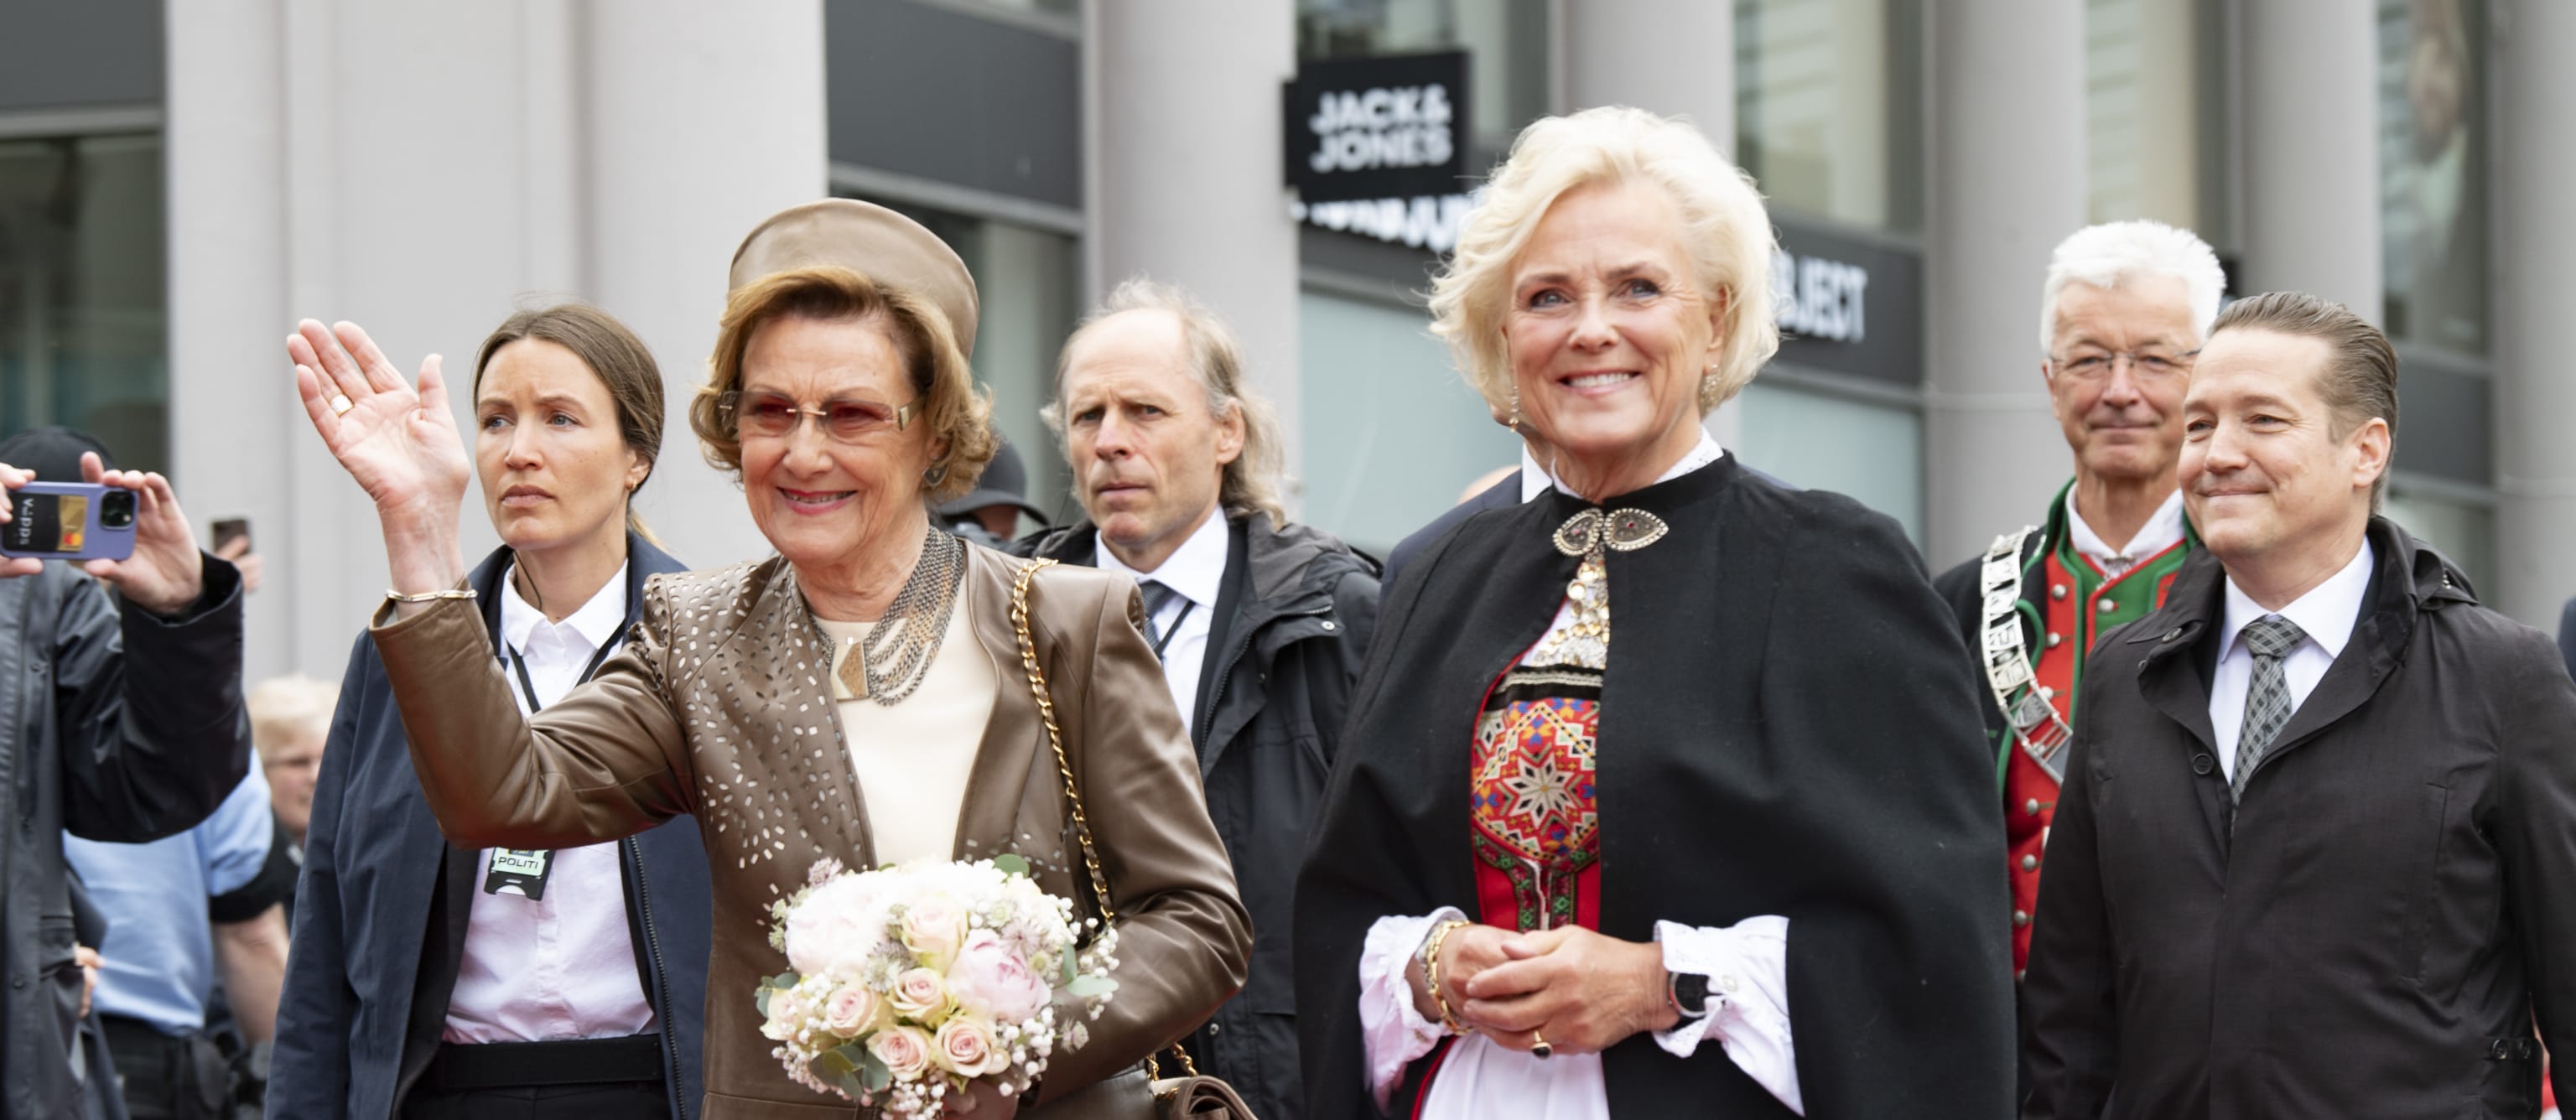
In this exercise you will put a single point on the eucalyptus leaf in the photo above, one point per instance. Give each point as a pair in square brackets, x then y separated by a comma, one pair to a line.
[1087, 987]
[875, 1075]
[1011, 862]
[760, 999]
[850, 1083]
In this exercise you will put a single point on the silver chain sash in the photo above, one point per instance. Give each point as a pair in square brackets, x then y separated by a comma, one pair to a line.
[2036, 727]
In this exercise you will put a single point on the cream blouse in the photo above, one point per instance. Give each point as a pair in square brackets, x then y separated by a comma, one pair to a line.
[912, 759]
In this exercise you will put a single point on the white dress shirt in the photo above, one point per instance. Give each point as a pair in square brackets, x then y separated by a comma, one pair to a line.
[1534, 477]
[2163, 530]
[1194, 570]
[1747, 965]
[561, 966]
[2327, 613]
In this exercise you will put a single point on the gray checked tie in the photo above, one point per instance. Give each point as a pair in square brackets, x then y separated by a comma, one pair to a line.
[1157, 596]
[2267, 701]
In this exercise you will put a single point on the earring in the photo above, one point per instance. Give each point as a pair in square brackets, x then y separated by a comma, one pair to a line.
[937, 474]
[1516, 409]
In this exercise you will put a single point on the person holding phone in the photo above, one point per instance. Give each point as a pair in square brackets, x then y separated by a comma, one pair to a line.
[121, 718]
[565, 982]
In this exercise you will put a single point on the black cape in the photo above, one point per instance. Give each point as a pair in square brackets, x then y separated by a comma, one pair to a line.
[1789, 726]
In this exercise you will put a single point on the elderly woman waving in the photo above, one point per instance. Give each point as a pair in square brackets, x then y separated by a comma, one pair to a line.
[860, 695]
[1673, 801]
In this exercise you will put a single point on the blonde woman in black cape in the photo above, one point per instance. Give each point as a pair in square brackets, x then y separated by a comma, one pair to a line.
[1672, 799]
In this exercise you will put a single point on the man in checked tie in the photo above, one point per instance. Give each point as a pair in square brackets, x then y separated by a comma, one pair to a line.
[1261, 624]
[2313, 850]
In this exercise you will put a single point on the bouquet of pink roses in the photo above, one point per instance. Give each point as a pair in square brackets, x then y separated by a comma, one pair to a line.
[910, 982]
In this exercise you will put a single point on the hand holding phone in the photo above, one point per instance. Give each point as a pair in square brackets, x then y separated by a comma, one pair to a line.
[159, 570]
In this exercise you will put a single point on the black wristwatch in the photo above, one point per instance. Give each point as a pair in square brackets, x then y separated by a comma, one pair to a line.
[1687, 992]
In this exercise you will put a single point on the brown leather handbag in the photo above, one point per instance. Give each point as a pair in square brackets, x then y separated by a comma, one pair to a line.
[1140, 1093]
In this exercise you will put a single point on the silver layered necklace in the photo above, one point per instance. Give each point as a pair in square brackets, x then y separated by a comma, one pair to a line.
[895, 656]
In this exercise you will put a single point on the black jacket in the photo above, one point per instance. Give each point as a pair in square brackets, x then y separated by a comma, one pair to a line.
[1786, 727]
[121, 726]
[1293, 621]
[2567, 636]
[2392, 905]
[378, 919]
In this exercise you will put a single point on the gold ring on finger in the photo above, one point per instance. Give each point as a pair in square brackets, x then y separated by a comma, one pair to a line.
[341, 404]
[1539, 1047]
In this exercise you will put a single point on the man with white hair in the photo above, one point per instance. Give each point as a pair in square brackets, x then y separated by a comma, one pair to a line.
[1261, 624]
[2122, 316]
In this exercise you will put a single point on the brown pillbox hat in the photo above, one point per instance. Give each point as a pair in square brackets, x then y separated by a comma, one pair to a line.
[884, 246]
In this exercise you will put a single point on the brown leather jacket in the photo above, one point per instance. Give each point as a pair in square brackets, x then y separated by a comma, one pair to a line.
[718, 707]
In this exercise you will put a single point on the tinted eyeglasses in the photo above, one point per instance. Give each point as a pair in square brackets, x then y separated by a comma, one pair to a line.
[845, 419]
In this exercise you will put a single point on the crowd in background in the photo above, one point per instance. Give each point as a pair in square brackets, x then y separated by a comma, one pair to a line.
[1424, 836]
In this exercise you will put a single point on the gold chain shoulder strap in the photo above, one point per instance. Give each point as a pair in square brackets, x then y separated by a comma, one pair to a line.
[1055, 734]
[1064, 766]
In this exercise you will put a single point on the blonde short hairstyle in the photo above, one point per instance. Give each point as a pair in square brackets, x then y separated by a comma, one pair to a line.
[283, 707]
[1251, 482]
[955, 410]
[1726, 236]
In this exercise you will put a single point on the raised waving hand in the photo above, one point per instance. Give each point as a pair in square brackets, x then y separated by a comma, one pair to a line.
[397, 439]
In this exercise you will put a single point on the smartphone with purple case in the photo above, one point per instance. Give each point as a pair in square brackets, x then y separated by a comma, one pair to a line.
[70, 521]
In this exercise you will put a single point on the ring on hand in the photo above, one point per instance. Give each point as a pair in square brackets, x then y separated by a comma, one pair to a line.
[1539, 1047]
[341, 404]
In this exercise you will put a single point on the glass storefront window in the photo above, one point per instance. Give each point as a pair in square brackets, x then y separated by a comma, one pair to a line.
[84, 314]
[2463, 532]
[2432, 169]
[1026, 282]
[2154, 136]
[1506, 42]
[1828, 107]
[1393, 434]
[1872, 452]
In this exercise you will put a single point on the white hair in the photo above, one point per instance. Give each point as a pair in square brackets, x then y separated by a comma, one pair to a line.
[1726, 234]
[282, 707]
[2106, 255]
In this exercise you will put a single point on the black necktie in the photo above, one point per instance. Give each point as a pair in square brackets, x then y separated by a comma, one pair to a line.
[1157, 596]
[2267, 700]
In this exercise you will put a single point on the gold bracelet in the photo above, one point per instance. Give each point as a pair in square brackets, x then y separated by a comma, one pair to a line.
[1431, 976]
[426, 596]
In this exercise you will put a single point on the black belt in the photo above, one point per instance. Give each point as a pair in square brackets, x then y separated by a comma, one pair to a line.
[579, 1061]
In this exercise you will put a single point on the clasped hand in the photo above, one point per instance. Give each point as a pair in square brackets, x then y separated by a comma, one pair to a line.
[1582, 991]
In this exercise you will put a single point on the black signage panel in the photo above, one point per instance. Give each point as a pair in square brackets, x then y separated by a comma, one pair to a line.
[1375, 128]
[1848, 305]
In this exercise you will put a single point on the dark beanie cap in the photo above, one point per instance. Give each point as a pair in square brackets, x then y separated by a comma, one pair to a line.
[53, 452]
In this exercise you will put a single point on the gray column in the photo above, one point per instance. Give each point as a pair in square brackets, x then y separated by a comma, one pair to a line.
[236, 431]
[515, 151]
[2535, 300]
[1183, 181]
[2311, 156]
[1675, 57]
[701, 120]
[2007, 182]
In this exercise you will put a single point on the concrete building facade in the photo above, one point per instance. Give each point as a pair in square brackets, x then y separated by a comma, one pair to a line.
[180, 182]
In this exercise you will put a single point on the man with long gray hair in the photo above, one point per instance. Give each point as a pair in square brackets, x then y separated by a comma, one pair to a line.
[1261, 624]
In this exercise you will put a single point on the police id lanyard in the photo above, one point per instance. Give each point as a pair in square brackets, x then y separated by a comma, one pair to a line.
[522, 871]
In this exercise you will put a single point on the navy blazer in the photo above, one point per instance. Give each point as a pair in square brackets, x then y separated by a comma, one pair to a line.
[363, 905]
